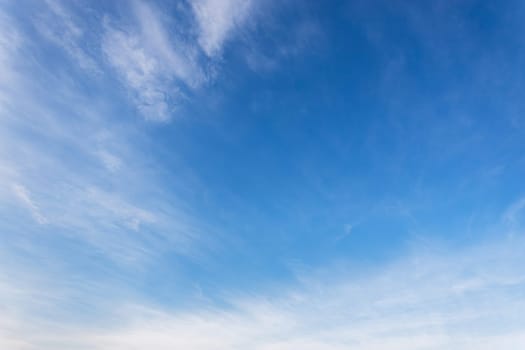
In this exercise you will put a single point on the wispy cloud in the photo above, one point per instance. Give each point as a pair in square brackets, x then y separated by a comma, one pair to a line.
[462, 300]
[96, 192]
[218, 20]
[60, 27]
[141, 72]
[162, 68]
[302, 37]
[10, 43]
[24, 197]
[110, 161]
[514, 212]
[158, 68]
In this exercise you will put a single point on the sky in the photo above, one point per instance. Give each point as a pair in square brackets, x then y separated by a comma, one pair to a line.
[262, 174]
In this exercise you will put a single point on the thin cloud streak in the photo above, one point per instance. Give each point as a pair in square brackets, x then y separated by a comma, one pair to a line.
[23, 195]
[59, 27]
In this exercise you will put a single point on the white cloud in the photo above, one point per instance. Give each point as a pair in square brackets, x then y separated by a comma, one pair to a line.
[461, 301]
[512, 214]
[59, 26]
[64, 159]
[160, 67]
[141, 71]
[178, 56]
[10, 44]
[110, 161]
[218, 20]
[157, 68]
[24, 197]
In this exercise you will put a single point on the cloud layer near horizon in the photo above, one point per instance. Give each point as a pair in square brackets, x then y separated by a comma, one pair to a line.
[461, 300]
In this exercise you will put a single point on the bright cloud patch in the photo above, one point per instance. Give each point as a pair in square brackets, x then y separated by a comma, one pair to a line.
[218, 20]
[155, 69]
[161, 69]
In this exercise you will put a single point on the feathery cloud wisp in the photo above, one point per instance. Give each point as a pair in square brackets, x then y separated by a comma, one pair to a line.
[156, 71]
[218, 20]
[161, 70]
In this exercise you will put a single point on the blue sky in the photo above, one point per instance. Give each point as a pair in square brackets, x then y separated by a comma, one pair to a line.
[232, 174]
